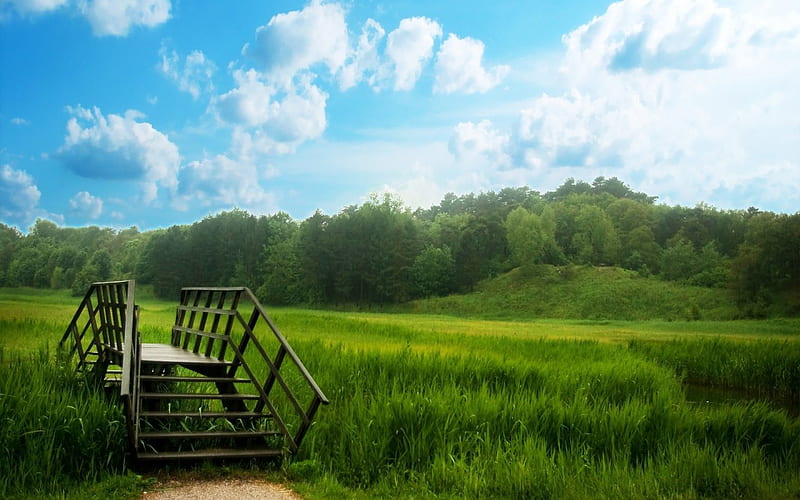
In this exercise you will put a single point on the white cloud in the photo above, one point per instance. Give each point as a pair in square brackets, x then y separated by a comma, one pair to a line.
[119, 147]
[250, 104]
[479, 139]
[223, 181]
[33, 7]
[282, 119]
[297, 40]
[656, 34]
[409, 47]
[365, 58]
[691, 100]
[86, 206]
[194, 75]
[19, 195]
[117, 17]
[19, 121]
[107, 17]
[459, 67]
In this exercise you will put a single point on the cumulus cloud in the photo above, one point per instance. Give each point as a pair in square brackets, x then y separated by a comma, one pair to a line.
[574, 130]
[193, 74]
[117, 17]
[107, 17]
[249, 104]
[283, 119]
[86, 206]
[365, 58]
[295, 41]
[409, 47]
[459, 67]
[655, 35]
[479, 139]
[222, 181]
[32, 7]
[119, 147]
[19, 195]
[19, 121]
[694, 100]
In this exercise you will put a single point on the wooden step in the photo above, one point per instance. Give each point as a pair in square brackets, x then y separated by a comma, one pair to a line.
[207, 434]
[211, 453]
[174, 378]
[193, 395]
[163, 354]
[204, 414]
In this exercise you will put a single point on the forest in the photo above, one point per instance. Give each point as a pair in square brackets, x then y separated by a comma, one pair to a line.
[381, 252]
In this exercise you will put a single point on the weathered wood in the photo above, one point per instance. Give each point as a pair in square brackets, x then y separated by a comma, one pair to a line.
[168, 354]
[104, 332]
[210, 454]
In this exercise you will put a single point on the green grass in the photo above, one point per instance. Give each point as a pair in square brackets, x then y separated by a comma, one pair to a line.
[582, 292]
[449, 407]
[55, 429]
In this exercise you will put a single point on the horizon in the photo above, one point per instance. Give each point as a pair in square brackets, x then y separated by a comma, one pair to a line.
[162, 113]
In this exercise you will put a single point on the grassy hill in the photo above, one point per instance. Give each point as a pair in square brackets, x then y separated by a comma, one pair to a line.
[582, 292]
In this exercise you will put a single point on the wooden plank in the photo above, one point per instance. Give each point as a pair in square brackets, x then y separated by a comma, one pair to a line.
[197, 395]
[210, 454]
[201, 333]
[243, 434]
[229, 415]
[175, 378]
[223, 312]
[170, 354]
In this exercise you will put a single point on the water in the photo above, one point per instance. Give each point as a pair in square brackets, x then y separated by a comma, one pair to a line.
[719, 396]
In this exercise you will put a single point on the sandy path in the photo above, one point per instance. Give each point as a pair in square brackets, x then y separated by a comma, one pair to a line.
[219, 489]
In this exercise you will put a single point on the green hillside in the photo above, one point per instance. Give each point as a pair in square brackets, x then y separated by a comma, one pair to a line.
[583, 292]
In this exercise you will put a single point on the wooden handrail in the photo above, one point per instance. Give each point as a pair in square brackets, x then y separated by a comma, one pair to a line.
[196, 307]
[129, 342]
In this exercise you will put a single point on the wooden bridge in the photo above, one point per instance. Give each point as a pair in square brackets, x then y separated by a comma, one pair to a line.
[214, 391]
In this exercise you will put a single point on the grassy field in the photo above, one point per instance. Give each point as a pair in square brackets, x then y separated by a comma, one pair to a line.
[588, 292]
[450, 407]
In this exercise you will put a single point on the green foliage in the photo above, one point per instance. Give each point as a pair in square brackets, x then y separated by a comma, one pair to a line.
[433, 272]
[56, 430]
[585, 292]
[538, 420]
[441, 407]
[768, 366]
[531, 238]
[377, 253]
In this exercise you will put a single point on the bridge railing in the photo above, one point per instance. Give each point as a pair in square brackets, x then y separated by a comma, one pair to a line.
[211, 322]
[96, 333]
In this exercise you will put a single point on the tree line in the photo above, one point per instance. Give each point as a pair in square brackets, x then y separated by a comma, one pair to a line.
[381, 252]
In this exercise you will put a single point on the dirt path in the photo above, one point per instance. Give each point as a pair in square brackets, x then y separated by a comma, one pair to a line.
[218, 489]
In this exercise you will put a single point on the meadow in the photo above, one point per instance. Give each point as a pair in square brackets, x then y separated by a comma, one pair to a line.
[439, 406]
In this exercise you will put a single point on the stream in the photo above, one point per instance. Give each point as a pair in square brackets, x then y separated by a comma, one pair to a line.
[699, 394]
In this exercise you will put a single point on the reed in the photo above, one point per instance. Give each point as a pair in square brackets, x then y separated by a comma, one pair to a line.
[765, 367]
[55, 430]
[571, 420]
[425, 406]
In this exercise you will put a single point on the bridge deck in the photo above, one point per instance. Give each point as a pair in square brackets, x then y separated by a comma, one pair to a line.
[170, 354]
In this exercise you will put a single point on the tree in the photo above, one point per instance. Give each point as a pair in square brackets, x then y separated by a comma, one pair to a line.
[282, 274]
[433, 272]
[531, 237]
[9, 239]
[679, 262]
[595, 240]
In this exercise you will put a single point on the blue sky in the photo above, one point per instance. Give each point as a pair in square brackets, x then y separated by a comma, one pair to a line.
[159, 112]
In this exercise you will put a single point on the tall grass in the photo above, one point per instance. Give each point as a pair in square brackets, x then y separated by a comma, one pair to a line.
[572, 419]
[453, 408]
[583, 292]
[55, 430]
[767, 367]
